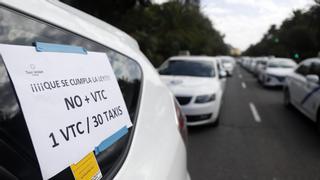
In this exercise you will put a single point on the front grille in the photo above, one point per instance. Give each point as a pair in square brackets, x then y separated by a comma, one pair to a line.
[279, 78]
[198, 117]
[183, 100]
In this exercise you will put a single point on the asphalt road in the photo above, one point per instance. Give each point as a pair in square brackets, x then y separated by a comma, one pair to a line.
[283, 145]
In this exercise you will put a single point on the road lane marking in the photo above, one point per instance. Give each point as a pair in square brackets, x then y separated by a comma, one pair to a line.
[243, 84]
[255, 113]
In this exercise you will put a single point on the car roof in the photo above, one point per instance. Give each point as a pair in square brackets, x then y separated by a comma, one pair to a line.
[225, 57]
[193, 58]
[315, 59]
[66, 17]
[280, 59]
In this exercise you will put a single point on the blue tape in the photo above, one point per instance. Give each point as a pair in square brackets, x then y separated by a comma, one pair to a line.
[48, 47]
[110, 140]
[307, 97]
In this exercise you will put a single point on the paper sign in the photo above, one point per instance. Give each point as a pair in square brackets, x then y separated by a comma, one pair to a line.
[87, 168]
[71, 102]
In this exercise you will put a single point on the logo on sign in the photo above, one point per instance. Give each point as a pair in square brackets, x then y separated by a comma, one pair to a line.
[32, 70]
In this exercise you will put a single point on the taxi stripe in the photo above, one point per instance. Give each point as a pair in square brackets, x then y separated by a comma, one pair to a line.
[309, 95]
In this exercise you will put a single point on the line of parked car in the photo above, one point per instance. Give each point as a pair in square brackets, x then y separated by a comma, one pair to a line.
[301, 82]
[270, 71]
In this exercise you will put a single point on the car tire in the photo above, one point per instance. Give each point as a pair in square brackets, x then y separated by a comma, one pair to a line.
[264, 83]
[287, 98]
[216, 122]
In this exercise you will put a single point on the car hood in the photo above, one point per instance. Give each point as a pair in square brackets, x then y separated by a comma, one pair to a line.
[279, 71]
[189, 86]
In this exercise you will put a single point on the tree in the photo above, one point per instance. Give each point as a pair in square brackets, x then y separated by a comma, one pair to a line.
[108, 10]
[161, 30]
[298, 37]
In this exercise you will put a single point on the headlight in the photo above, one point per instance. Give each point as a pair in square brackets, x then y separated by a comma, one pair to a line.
[205, 98]
[269, 77]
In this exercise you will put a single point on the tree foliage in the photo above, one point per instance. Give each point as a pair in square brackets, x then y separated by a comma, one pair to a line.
[161, 30]
[298, 37]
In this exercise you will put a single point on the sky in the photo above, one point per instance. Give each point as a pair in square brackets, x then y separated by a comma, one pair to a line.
[244, 22]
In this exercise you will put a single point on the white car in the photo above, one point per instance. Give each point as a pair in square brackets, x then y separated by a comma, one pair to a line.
[197, 84]
[228, 64]
[302, 89]
[153, 148]
[252, 65]
[247, 62]
[260, 64]
[275, 71]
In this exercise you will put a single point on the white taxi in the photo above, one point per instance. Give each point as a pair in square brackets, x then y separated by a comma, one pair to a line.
[198, 85]
[302, 89]
[275, 71]
[228, 64]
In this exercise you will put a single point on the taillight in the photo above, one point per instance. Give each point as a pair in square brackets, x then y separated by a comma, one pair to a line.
[181, 121]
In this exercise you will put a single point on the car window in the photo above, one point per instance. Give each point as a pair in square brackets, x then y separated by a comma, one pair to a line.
[17, 155]
[315, 68]
[303, 69]
[189, 68]
[226, 61]
[261, 63]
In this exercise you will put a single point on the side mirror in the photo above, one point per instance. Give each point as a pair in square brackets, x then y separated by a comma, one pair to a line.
[313, 78]
[222, 74]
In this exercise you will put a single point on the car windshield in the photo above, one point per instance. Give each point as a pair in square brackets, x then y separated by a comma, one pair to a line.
[262, 62]
[188, 68]
[226, 61]
[281, 64]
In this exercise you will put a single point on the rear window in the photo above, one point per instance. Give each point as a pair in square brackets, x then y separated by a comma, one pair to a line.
[188, 68]
[262, 62]
[226, 61]
[17, 155]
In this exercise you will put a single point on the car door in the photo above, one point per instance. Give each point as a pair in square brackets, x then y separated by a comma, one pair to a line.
[221, 75]
[297, 83]
[311, 98]
[262, 72]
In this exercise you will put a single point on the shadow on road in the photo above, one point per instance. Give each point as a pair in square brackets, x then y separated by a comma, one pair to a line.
[200, 129]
